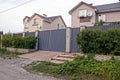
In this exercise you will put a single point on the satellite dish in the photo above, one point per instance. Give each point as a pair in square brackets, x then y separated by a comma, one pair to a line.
[90, 13]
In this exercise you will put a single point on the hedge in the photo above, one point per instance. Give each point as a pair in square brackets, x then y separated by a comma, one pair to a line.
[100, 42]
[19, 42]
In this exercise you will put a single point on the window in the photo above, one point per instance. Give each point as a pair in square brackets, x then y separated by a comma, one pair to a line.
[102, 17]
[26, 24]
[82, 13]
[36, 21]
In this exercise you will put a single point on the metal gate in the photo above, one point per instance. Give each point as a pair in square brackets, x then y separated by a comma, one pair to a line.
[73, 45]
[52, 40]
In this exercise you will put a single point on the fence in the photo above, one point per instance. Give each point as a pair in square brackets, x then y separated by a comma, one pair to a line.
[63, 40]
[52, 40]
[105, 27]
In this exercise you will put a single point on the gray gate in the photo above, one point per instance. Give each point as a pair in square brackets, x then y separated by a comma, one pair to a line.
[52, 40]
[73, 45]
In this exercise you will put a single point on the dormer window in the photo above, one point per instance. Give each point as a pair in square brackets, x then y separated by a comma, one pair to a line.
[36, 21]
[82, 13]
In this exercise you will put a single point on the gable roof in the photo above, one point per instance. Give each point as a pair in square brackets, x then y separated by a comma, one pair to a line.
[79, 5]
[48, 19]
[108, 7]
[45, 18]
[26, 17]
[100, 8]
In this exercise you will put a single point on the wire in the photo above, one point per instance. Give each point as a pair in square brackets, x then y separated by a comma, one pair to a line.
[16, 6]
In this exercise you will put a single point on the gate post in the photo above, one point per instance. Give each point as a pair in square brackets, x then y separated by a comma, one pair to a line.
[81, 29]
[1, 41]
[36, 35]
[68, 36]
[23, 34]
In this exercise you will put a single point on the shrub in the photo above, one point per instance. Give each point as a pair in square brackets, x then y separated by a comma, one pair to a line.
[97, 41]
[19, 42]
[87, 40]
[109, 70]
[100, 23]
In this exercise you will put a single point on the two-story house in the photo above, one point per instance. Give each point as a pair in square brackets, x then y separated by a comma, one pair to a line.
[42, 23]
[85, 14]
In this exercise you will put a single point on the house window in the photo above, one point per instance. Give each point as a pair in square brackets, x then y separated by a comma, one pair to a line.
[26, 25]
[82, 13]
[102, 17]
[36, 21]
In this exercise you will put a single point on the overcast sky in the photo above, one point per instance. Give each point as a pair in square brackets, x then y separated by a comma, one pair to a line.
[12, 20]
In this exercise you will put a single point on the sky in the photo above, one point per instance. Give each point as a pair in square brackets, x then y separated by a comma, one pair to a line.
[12, 20]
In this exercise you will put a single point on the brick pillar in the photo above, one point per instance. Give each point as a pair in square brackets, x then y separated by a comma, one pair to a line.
[23, 34]
[82, 28]
[68, 35]
[1, 41]
[36, 35]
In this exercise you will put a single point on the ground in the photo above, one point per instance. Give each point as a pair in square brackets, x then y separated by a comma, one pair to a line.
[11, 69]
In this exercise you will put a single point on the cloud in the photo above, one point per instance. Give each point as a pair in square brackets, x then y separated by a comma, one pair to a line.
[12, 1]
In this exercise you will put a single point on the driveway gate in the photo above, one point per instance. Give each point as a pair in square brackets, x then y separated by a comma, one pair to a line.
[52, 40]
[73, 46]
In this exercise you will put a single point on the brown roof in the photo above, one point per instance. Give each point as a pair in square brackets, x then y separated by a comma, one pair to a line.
[79, 5]
[26, 17]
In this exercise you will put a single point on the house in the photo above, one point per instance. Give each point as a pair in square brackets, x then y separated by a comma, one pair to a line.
[85, 14]
[42, 23]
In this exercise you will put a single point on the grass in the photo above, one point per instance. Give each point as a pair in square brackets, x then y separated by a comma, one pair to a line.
[43, 66]
[80, 68]
[7, 54]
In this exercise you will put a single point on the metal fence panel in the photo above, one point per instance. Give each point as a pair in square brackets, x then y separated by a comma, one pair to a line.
[29, 33]
[18, 34]
[105, 27]
[58, 40]
[74, 46]
[52, 40]
[43, 40]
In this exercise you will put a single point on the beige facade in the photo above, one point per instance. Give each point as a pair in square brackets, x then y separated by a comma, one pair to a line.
[76, 20]
[112, 16]
[44, 23]
[108, 15]
[56, 24]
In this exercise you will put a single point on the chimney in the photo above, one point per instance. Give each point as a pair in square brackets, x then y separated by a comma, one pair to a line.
[91, 4]
[44, 15]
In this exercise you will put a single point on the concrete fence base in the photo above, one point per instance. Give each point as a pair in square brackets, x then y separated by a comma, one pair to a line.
[20, 50]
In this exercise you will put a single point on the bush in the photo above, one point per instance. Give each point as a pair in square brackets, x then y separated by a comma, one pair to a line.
[109, 70]
[19, 42]
[97, 41]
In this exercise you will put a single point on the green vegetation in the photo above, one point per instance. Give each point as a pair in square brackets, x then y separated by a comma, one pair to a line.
[43, 66]
[100, 23]
[19, 42]
[100, 42]
[7, 54]
[1, 33]
[81, 68]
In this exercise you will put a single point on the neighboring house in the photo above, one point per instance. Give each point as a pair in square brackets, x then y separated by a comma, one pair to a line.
[41, 23]
[85, 14]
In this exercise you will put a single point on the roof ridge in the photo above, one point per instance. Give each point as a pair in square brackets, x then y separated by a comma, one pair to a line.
[106, 4]
[54, 16]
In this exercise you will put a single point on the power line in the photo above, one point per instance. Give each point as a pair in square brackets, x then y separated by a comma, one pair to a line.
[16, 6]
